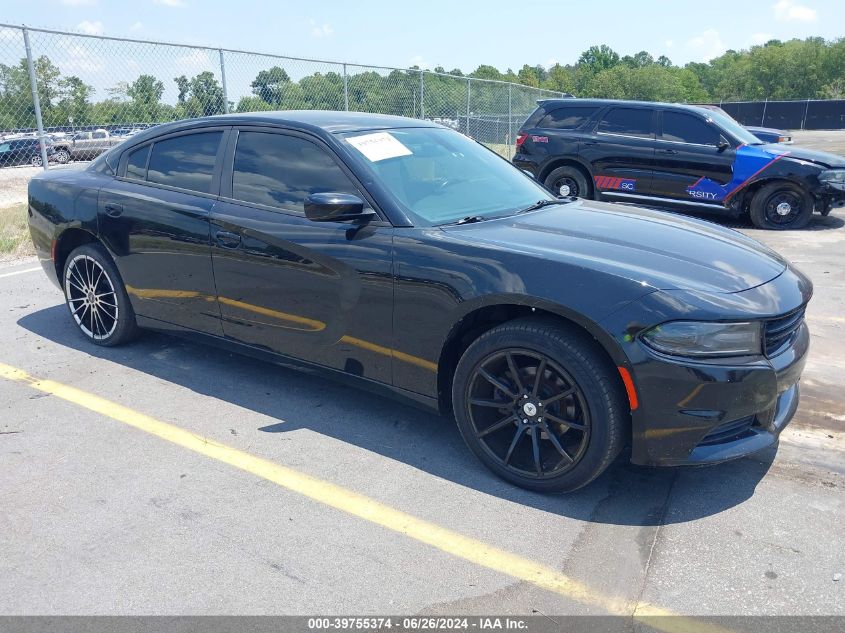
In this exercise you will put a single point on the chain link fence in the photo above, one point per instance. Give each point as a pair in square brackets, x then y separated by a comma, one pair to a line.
[83, 93]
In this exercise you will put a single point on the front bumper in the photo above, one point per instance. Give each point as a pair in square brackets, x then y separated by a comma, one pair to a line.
[702, 412]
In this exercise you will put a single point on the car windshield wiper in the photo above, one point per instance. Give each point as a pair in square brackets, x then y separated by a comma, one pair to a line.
[470, 219]
[540, 204]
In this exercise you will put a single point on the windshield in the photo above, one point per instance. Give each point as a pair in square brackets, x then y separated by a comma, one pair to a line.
[732, 127]
[441, 176]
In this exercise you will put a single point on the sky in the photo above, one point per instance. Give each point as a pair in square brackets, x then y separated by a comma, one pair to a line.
[451, 34]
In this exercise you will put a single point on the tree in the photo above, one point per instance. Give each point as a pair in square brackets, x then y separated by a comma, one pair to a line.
[598, 58]
[184, 87]
[270, 85]
[206, 96]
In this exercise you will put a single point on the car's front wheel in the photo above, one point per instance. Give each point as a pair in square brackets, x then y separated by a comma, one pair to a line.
[36, 161]
[96, 297]
[63, 156]
[539, 405]
[781, 206]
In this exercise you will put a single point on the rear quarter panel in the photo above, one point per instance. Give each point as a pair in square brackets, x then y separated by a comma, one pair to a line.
[58, 200]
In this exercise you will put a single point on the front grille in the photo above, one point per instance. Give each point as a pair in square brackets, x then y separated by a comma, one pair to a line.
[779, 332]
[729, 431]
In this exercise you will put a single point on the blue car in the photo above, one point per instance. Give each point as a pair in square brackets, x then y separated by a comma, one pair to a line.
[765, 134]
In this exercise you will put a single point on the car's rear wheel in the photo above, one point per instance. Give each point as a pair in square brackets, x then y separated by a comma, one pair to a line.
[539, 405]
[63, 156]
[568, 181]
[36, 161]
[781, 206]
[96, 297]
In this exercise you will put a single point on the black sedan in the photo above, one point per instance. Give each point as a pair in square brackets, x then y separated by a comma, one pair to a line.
[404, 256]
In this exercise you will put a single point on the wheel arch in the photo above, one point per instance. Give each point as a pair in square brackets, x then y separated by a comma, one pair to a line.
[750, 190]
[479, 319]
[68, 240]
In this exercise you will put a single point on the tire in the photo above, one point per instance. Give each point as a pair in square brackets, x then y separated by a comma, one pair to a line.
[62, 156]
[499, 422]
[89, 274]
[568, 181]
[781, 206]
[36, 161]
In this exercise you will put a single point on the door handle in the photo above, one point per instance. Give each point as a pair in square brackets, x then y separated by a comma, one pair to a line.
[113, 210]
[228, 240]
[669, 151]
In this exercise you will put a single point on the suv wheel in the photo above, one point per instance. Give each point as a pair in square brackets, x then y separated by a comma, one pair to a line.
[539, 405]
[63, 156]
[96, 297]
[568, 181]
[780, 206]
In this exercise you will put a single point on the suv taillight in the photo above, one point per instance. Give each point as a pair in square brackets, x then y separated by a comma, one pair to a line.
[520, 138]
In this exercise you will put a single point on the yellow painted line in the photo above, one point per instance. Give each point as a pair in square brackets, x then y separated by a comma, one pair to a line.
[313, 324]
[363, 507]
[19, 272]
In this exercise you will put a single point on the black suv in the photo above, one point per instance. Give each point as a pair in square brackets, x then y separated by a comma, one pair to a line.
[678, 156]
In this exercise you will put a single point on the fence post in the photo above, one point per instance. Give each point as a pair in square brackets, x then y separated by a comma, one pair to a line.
[223, 81]
[510, 120]
[33, 84]
[345, 89]
[763, 118]
[469, 87]
[422, 94]
[804, 119]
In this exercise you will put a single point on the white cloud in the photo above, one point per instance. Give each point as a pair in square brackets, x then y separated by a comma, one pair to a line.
[78, 3]
[758, 39]
[669, 43]
[80, 60]
[321, 30]
[417, 60]
[791, 11]
[551, 62]
[170, 3]
[194, 62]
[137, 26]
[90, 28]
[707, 45]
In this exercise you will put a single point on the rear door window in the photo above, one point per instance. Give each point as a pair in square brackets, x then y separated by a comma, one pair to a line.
[136, 165]
[567, 118]
[185, 161]
[627, 122]
[686, 128]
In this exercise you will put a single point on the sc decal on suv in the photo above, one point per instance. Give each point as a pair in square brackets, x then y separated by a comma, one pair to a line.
[750, 162]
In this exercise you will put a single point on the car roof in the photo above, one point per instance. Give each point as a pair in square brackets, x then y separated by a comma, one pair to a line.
[327, 121]
[622, 102]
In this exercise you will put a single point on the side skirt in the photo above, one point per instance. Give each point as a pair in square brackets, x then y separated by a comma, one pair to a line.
[417, 400]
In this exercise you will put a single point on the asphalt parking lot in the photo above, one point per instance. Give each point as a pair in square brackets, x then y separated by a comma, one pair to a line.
[166, 477]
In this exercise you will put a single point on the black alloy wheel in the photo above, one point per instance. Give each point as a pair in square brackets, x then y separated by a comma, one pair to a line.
[528, 413]
[540, 404]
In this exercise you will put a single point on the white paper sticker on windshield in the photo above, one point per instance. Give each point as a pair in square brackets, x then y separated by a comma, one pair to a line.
[378, 146]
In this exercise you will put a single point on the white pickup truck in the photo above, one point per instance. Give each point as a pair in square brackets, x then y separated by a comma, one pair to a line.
[85, 145]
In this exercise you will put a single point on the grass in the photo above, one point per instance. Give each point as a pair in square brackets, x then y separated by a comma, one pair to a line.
[14, 232]
[501, 149]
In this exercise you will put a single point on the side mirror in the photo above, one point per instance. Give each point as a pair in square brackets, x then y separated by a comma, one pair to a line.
[335, 207]
[722, 146]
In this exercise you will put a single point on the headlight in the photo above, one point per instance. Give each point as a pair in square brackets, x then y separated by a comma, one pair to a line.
[702, 339]
[834, 177]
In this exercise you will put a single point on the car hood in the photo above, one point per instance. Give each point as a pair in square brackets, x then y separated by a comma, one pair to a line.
[767, 130]
[824, 159]
[652, 248]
